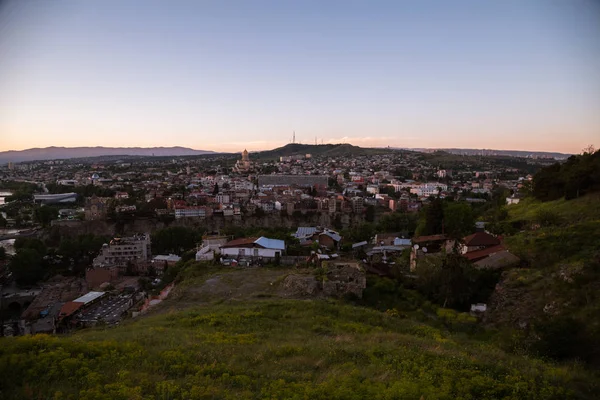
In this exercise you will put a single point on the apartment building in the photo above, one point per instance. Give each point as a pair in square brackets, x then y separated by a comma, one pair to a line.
[121, 250]
[193, 212]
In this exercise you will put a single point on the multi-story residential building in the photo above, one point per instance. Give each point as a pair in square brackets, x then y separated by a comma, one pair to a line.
[121, 250]
[223, 198]
[267, 205]
[318, 181]
[358, 204]
[243, 185]
[193, 212]
[429, 189]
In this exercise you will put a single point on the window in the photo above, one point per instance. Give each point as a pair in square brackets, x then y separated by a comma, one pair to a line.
[255, 252]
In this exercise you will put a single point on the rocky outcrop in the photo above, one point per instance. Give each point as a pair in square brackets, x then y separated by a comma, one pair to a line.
[343, 279]
[300, 286]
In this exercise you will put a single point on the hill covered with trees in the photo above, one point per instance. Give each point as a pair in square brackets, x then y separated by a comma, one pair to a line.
[579, 175]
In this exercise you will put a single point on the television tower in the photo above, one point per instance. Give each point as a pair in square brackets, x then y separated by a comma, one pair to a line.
[294, 137]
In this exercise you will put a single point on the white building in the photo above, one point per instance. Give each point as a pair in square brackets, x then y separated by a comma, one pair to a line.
[373, 189]
[512, 200]
[252, 247]
[55, 198]
[192, 212]
[428, 189]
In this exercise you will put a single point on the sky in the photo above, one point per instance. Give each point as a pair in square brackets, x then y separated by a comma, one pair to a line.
[226, 75]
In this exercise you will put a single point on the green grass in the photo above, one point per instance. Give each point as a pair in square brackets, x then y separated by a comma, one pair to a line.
[276, 349]
[573, 235]
[586, 208]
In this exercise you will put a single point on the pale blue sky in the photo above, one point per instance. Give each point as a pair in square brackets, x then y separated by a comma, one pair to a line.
[225, 75]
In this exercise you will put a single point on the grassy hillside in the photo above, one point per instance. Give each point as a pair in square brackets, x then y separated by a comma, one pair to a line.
[556, 231]
[559, 283]
[275, 349]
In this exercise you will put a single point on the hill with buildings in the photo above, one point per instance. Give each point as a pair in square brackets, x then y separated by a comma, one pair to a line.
[57, 153]
[326, 150]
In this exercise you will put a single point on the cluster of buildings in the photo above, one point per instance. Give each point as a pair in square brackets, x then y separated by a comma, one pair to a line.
[296, 184]
[484, 250]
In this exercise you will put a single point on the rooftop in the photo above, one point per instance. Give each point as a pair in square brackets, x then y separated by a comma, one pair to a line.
[88, 297]
[270, 243]
[481, 239]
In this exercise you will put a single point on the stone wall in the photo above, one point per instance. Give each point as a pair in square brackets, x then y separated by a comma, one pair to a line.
[110, 228]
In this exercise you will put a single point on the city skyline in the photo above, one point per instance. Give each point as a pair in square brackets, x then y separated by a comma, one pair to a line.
[225, 76]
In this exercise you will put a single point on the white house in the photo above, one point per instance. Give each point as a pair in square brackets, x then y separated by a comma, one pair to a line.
[373, 189]
[512, 200]
[428, 189]
[252, 247]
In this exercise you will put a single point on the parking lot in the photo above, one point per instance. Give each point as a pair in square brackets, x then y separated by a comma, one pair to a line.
[109, 310]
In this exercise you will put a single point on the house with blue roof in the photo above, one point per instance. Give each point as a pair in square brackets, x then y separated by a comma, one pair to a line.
[261, 247]
[324, 236]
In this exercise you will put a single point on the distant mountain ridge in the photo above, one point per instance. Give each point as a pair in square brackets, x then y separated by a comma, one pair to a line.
[57, 153]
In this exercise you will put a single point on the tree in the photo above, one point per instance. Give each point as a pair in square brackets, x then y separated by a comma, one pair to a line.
[45, 214]
[459, 219]
[451, 281]
[2, 253]
[562, 337]
[370, 213]
[580, 174]
[175, 239]
[403, 223]
[216, 189]
[129, 268]
[26, 266]
[432, 218]
[151, 271]
[30, 243]
[321, 274]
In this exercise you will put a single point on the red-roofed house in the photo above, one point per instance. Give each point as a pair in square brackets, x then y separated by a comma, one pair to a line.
[479, 241]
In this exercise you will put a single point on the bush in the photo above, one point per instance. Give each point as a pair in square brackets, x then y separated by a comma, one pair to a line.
[547, 218]
[561, 338]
